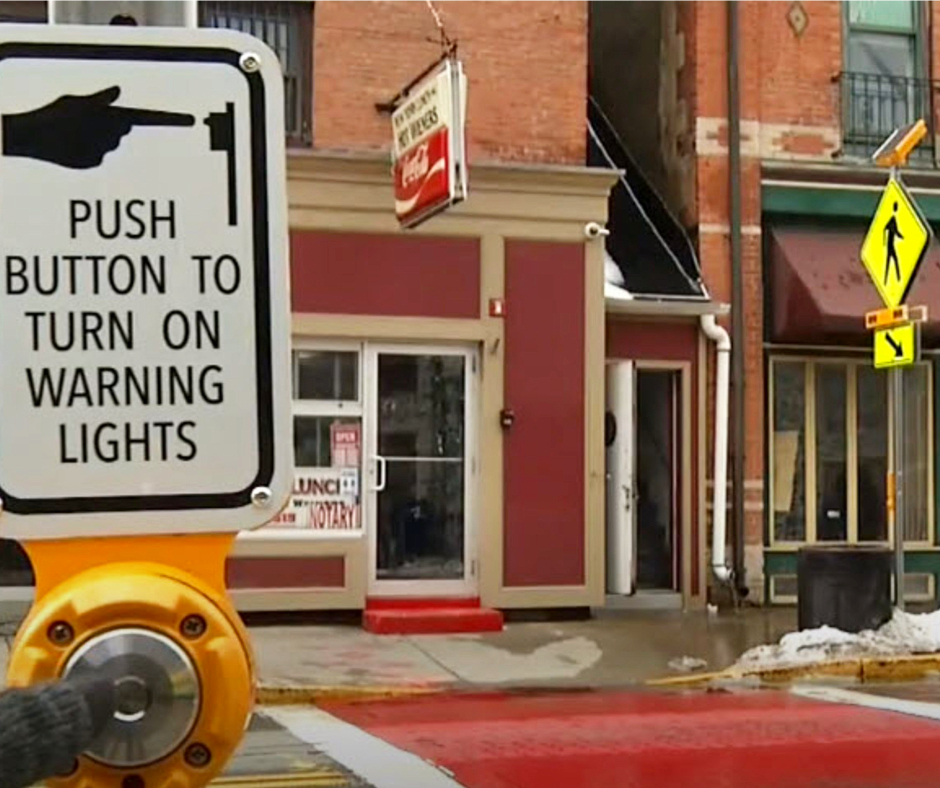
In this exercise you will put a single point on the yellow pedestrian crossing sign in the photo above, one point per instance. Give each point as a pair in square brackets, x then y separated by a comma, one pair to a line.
[896, 346]
[895, 244]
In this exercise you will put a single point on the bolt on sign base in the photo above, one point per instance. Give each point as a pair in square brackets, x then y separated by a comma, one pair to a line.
[184, 705]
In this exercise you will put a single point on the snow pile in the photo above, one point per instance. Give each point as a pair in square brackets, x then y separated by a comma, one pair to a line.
[905, 633]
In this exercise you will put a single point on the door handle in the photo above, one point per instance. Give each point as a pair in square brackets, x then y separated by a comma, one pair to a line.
[381, 471]
[630, 497]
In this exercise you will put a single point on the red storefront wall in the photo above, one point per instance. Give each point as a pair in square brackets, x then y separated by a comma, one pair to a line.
[543, 453]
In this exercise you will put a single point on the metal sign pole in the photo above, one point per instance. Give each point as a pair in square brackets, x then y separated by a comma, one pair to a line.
[896, 336]
[897, 491]
[897, 386]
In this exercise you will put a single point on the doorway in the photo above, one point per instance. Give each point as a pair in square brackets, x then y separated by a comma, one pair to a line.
[645, 482]
[657, 481]
[419, 427]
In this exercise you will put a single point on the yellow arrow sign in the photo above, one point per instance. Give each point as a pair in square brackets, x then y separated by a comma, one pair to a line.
[896, 347]
[895, 244]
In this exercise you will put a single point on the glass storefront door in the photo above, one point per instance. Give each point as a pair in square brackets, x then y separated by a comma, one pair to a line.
[420, 467]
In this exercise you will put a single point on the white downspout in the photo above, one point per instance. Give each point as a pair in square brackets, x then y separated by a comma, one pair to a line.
[722, 341]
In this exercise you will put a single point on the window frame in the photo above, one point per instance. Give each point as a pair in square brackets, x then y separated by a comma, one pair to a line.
[851, 456]
[301, 537]
[328, 408]
[921, 66]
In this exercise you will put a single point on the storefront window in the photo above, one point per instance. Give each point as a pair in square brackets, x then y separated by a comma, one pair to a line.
[326, 375]
[788, 451]
[313, 440]
[327, 410]
[831, 515]
[916, 455]
[872, 463]
[830, 451]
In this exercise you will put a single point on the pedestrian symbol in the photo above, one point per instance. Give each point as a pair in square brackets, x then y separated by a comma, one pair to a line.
[895, 244]
[892, 232]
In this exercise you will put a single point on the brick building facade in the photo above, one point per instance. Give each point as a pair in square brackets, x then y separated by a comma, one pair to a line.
[526, 64]
[821, 84]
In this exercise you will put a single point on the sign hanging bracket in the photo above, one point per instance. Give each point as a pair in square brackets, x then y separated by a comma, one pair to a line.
[445, 40]
[448, 50]
[388, 107]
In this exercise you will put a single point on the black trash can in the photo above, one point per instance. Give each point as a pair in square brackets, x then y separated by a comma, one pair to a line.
[844, 586]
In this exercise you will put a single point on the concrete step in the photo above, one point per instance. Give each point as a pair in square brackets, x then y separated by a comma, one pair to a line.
[429, 617]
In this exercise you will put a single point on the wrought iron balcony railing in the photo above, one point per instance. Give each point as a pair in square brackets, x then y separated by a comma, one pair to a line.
[874, 105]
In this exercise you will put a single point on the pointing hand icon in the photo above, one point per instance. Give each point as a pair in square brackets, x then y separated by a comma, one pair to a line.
[79, 131]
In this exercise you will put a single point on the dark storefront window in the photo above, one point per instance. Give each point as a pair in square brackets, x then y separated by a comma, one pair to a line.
[872, 462]
[789, 441]
[831, 450]
[829, 455]
[326, 392]
[286, 27]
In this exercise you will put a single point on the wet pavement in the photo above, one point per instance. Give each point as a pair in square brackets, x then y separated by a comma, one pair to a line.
[614, 649]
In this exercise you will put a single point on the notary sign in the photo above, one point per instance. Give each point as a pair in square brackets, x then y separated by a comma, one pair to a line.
[430, 168]
[144, 318]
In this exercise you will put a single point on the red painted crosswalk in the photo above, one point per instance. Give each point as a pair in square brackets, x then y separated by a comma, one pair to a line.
[768, 739]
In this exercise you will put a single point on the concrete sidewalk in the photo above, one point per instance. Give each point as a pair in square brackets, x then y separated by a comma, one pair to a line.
[614, 649]
[609, 651]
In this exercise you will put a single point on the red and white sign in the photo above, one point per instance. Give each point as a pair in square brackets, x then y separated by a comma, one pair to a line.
[344, 445]
[430, 167]
[323, 499]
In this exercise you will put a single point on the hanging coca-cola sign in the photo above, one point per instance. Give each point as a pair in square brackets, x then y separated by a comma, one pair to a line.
[429, 148]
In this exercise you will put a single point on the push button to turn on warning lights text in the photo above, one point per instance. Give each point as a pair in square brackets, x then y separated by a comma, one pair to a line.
[896, 347]
[144, 321]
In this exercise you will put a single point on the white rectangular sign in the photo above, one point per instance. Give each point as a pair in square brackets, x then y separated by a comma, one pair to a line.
[144, 309]
[323, 500]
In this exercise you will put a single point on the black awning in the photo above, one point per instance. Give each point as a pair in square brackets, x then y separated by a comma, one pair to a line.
[646, 241]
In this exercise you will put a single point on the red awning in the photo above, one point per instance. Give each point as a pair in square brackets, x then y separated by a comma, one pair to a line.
[821, 291]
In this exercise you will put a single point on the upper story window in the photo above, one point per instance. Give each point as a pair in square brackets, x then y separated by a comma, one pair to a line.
[883, 37]
[286, 27]
[884, 85]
